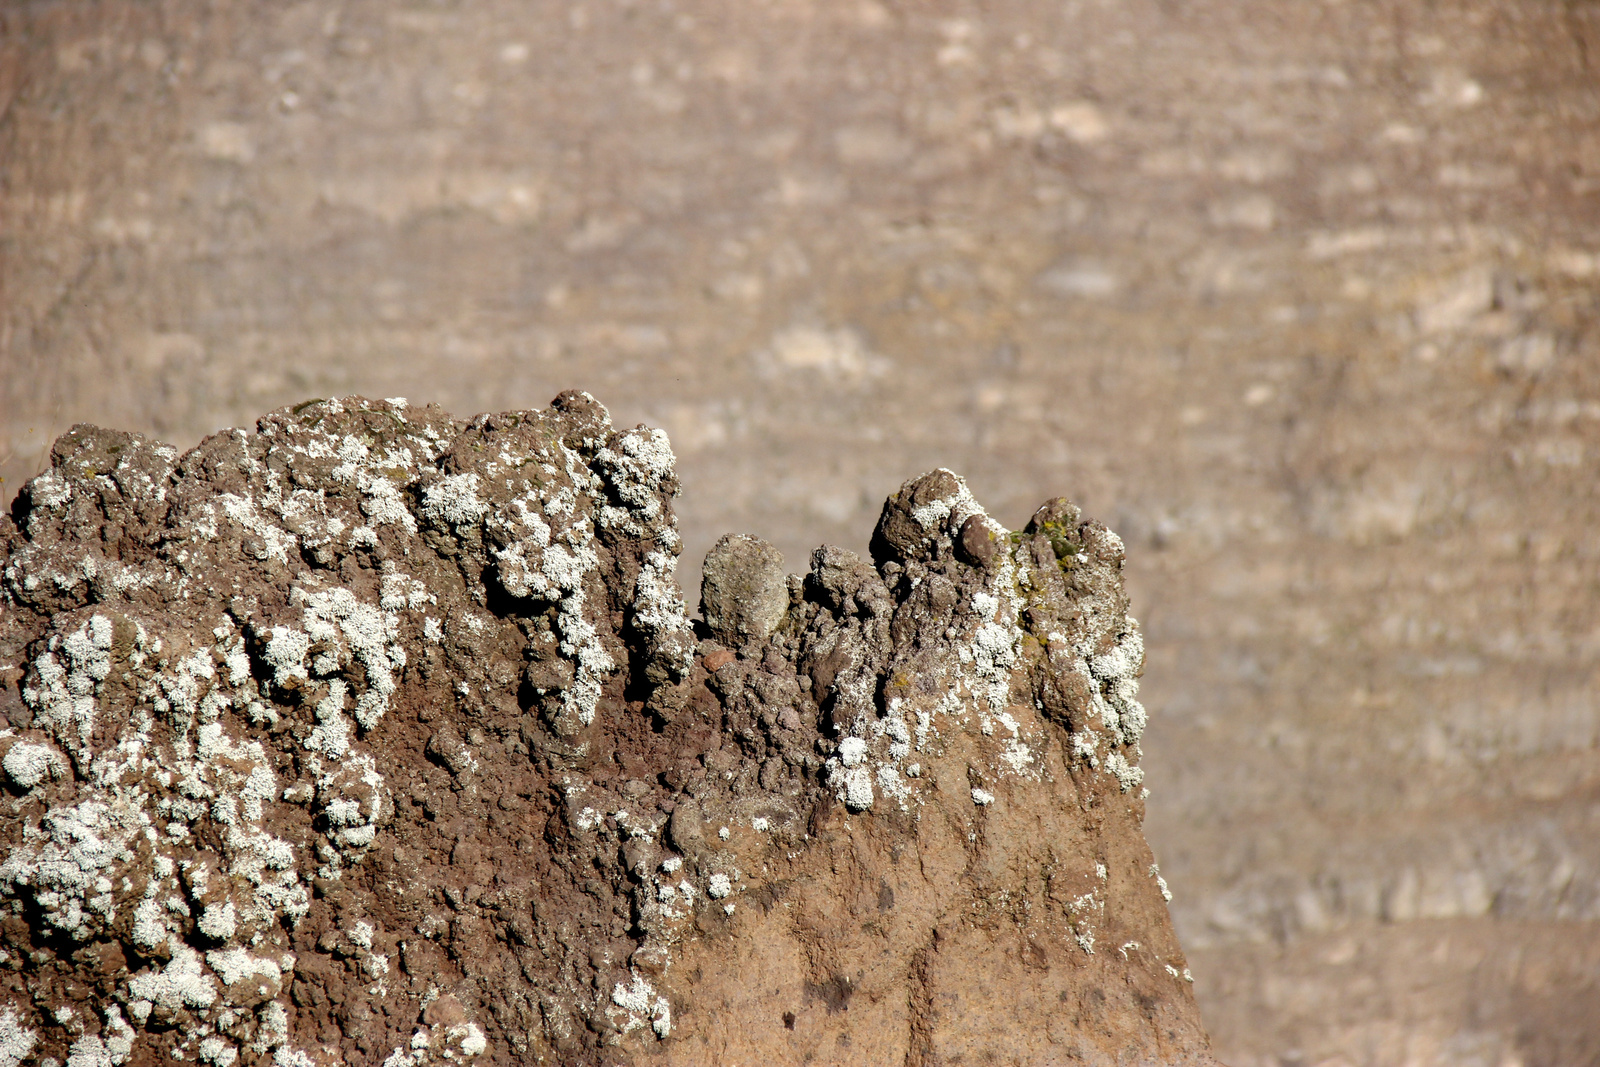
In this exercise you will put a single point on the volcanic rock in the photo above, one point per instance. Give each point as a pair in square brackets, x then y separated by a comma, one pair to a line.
[378, 737]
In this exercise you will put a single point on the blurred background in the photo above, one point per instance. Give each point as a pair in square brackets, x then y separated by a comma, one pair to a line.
[1302, 298]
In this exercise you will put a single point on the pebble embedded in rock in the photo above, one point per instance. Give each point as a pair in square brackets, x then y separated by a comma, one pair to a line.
[744, 593]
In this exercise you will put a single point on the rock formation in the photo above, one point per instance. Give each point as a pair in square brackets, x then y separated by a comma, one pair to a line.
[379, 737]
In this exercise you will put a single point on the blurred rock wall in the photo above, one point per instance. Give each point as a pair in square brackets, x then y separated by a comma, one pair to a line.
[1301, 297]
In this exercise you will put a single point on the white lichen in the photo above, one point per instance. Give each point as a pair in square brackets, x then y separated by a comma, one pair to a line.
[218, 1051]
[637, 1003]
[182, 983]
[28, 764]
[948, 511]
[118, 1035]
[1128, 775]
[853, 786]
[454, 500]
[635, 473]
[88, 1051]
[1161, 883]
[16, 1040]
[64, 698]
[353, 630]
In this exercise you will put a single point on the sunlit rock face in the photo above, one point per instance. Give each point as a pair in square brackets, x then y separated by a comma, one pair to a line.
[375, 736]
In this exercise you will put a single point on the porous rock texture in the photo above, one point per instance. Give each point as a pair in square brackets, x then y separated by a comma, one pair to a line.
[379, 737]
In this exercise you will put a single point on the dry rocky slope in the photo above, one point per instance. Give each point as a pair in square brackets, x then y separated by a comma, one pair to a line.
[375, 736]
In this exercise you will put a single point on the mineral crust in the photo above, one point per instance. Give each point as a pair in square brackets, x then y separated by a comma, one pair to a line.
[377, 737]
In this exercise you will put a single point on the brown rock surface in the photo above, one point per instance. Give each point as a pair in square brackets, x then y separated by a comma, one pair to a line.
[375, 736]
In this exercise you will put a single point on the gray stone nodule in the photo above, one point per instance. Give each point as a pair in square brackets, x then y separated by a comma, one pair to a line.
[744, 592]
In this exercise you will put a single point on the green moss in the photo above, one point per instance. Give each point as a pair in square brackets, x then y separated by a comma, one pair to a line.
[899, 685]
[1063, 541]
